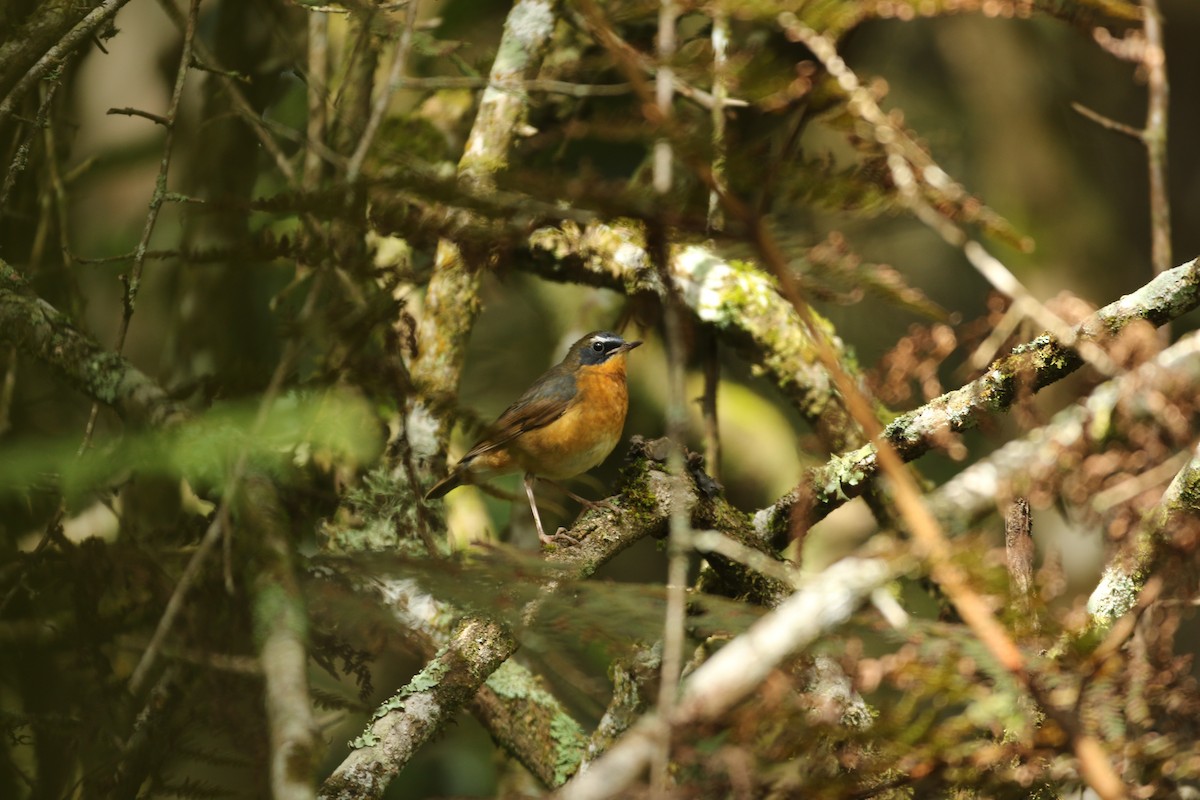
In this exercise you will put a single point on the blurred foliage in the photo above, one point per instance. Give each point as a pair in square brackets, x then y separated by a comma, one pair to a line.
[283, 307]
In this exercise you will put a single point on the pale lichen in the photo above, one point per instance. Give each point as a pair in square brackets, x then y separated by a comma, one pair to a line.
[1113, 597]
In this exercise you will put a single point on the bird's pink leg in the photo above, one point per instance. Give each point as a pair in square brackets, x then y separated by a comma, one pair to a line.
[537, 518]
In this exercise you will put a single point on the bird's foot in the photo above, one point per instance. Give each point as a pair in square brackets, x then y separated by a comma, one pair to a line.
[560, 537]
[607, 505]
[592, 505]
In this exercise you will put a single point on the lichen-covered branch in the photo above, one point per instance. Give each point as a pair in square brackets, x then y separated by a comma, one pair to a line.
[452, 298]
[1174, 522]
[280, 629]
[1033, 365]
[553, 747]
[735, 298]
[419, 710]
[548, 741]
[40, 331]
[973, 493]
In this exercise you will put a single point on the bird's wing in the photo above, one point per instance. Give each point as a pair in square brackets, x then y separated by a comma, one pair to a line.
[545, 401]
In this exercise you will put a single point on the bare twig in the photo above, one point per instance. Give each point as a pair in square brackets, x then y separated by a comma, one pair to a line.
[21, 157]
[127, 111]
[1107, 122]
[81, 33]
[1018, 545]
[394, 83]
[1155, 136]
[679, 536]
[133, 280]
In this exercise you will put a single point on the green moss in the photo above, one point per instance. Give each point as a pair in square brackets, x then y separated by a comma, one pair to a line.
[569, 740]
[636, 497]
[844, 470]
[513, 683]
[274, 606]
[429, 678]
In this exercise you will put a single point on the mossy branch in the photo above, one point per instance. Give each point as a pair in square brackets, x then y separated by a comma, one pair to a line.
[280, 628]
[42, 332]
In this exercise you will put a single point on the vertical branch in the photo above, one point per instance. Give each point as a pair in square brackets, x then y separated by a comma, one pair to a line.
[708, 406]
[318, 89]
[452, 299]
[720, 46]
[1018, 545]
[395, 80]
[280, 625]
[680, 526]
[716, 222]
[1155, 137]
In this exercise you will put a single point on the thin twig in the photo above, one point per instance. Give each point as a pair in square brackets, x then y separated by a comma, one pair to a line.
[81, 33]
[679, 536]
[1155, 136]
[127, 111]
[394, 83]
[240, 104]
[133, 280]
[21, 157]
[1107, 122]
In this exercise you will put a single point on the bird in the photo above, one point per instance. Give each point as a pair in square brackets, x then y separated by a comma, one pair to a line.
[565, 424]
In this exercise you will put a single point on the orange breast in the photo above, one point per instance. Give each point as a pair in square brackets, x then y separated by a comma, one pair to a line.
[584, 436]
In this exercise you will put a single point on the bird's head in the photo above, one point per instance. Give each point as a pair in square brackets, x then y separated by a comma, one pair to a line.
[598, 347]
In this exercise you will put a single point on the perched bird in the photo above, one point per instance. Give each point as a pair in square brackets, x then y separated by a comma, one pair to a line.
[567, 422]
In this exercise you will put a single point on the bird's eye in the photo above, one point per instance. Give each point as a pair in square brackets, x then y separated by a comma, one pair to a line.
[598, 347]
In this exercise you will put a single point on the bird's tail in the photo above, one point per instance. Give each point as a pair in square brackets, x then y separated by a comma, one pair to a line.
[451, 481]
